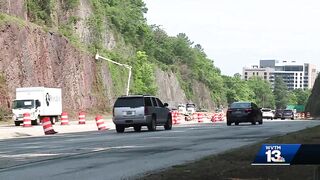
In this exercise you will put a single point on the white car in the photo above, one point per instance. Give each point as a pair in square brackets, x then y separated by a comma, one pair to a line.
[267, 113]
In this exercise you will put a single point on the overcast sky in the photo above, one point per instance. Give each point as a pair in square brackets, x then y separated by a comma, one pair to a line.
[237, 33]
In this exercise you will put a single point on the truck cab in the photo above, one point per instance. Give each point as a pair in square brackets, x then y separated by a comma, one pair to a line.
[30, 106]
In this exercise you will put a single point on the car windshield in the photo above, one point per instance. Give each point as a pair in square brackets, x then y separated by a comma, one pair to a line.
[23, 104]
[240, 105]
[131, 102]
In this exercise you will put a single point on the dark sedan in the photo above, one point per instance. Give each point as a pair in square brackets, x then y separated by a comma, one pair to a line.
[239, 112]
[278, 114]
[287, 114]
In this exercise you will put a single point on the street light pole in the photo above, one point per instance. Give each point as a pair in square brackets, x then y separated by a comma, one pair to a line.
[123, 65]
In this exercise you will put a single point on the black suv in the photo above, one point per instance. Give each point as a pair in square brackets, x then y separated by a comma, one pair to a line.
[141, 110]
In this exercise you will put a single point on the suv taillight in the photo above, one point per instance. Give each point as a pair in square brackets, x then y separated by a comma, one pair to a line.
[248, 110]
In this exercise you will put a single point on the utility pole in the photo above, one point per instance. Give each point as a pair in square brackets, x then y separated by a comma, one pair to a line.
[123, 65]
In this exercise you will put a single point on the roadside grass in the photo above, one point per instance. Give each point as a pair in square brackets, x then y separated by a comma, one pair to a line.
[236, 164]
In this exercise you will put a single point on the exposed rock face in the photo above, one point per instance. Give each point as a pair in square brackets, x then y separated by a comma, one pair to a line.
[169, 89]
[313, 105]
[14, 8]
[31, 57]
[202, 96]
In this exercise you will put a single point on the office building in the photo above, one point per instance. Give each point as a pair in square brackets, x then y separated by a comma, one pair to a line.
[295, 75]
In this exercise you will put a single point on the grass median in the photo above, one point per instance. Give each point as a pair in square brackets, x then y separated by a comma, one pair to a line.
[236, 164]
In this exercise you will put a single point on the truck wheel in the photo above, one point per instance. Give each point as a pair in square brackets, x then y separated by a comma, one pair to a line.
[17, 123]
[53, 119]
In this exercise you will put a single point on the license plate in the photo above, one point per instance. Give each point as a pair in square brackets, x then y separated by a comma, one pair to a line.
[129, 113]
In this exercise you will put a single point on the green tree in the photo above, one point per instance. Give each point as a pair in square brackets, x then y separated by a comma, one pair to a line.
[292, 98]
[143, 76]
[301, 96]
[237, 89]
[262, 89]
[280, 93]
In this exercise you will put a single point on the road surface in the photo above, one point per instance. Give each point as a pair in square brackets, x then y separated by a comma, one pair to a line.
[108, 155]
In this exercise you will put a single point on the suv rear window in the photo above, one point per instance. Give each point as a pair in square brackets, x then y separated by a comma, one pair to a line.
[132, 102]
[240, 105]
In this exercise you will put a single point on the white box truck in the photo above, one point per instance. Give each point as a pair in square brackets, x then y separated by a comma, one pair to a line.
[38, 102]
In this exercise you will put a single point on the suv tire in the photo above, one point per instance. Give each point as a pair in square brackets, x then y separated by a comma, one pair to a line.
[137, 128]
[120, 128]
[228, 123]
[168, 125]
[17, 123]
[152, 126]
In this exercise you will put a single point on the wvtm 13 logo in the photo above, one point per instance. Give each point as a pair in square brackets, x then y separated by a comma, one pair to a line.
[273, 154]
[276, 154]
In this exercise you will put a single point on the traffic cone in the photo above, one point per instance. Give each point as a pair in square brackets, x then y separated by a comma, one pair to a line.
[47, 126]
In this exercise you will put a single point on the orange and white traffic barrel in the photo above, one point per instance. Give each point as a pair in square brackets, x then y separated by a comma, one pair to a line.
[26, 120]
[100, 123]
[64, 118]
[47, 126]
[82, 118]
[200, 117]
[174, 115]
[308, 115]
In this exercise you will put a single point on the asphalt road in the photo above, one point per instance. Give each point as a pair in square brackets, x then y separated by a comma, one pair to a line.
[108, 155]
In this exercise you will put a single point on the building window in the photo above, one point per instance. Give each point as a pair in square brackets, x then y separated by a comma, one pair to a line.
[300, 74]
[265, 77]
[265, 73]
[245, 73]
[300, 85]
[257, 73]
[246, 77]
[254, 73]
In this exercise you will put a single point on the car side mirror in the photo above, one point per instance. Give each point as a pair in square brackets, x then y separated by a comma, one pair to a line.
[166, 104]
[38, 103]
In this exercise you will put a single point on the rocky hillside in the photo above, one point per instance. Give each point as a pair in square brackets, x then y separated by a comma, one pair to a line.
[313, 105]
[34, 55]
